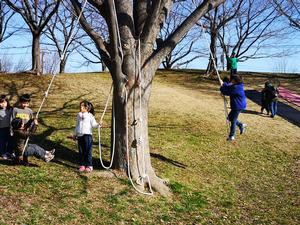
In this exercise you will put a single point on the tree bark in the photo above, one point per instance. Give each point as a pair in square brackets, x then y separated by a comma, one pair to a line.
[62, 66]
[131, 134]
[211, 70]
[36, 54]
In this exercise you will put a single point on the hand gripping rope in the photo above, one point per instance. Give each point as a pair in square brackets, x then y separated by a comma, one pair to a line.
[54, 75]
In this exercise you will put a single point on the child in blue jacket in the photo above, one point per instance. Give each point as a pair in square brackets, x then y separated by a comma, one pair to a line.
[235, 90]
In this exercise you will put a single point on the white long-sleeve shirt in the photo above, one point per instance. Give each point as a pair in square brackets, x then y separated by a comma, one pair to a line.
[85, 124]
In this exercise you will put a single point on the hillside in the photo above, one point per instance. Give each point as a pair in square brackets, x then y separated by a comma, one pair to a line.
[254, 180]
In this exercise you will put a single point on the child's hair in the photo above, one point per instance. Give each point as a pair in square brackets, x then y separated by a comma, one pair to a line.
[4, 98]
[226, 79]
[25, 98]
[88, 105]
[238, 79]
[16, 123]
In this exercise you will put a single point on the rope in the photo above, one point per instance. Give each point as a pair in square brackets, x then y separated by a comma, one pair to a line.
[54, 75]
[220, 80]
[114, 133]
[128, 157]
[118, 31]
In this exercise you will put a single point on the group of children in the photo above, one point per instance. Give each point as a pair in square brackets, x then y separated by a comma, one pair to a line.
[17, 124]
[234, 88]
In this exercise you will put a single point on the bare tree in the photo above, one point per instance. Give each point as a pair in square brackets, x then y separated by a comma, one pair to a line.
[5, 16]
[5, 64]
[290, 10]
[212, 23]
[132, 59]
[252, 31]
[62, 31]
[87, 48]
[186, 51]
[36, 14]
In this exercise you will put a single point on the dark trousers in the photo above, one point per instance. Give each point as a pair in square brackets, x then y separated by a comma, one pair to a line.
[85, 146]
[233, 118]
[264, 105]
[5, 141]
[233, 72]
[35, 150]
[273, 108]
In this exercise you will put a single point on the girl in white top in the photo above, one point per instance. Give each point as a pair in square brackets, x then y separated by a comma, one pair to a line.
[83, 133]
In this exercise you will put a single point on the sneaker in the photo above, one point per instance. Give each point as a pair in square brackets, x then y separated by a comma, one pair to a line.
[89, 169]
[5, 156]
[242, 128]
[49, 158]
[52, 151]
[81, 168]
[230, 138]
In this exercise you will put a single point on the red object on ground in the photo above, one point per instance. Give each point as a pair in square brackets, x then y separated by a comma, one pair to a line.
[289, 96]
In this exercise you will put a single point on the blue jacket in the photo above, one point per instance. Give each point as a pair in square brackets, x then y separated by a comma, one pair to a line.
[236, 93]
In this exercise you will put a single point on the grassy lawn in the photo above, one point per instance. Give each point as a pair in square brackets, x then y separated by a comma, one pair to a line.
[254, 180]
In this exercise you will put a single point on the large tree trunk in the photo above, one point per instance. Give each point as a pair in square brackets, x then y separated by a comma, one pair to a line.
[36, 54]
[131, 117]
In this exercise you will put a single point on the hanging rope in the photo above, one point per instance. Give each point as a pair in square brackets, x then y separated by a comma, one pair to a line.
[54, 75]
[114, 132]
[220, 80]
[118, 30]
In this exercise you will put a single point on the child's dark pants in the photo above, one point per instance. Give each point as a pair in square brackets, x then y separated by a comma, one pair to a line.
[233, 118]
[5, 141]
[85, 144]
[36, 151]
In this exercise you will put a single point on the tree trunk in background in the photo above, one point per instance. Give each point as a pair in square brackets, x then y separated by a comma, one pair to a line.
[36, 54]
[211, 70]
[62, 65]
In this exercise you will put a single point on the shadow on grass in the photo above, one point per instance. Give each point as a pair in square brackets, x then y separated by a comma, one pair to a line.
[171, 161]
[285, 111]
[251, 112]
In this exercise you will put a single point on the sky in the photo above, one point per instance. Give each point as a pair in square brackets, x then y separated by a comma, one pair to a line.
[16, 51]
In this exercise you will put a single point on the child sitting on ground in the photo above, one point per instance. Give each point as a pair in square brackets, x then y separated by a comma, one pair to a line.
[20, 133]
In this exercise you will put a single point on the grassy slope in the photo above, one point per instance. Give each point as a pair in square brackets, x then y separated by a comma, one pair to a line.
[254, 180]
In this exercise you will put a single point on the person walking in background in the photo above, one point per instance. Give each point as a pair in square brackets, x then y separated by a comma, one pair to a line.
[233, 64]
[264, 100]
[5, 134]
[83, 134]
[272, 99]
[235, 90]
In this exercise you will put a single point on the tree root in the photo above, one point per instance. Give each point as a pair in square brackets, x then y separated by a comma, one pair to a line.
[160, 186]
